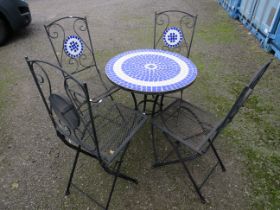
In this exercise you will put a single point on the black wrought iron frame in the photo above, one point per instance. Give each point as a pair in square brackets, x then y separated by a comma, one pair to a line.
[77, 29]
[43, 78]
[208, 142]
[186, 21]
[80, 25]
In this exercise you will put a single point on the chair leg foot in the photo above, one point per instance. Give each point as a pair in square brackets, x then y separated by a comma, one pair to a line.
[158, 164]
[202, 199]
[67, 192]
[155, 165]
[128, 178]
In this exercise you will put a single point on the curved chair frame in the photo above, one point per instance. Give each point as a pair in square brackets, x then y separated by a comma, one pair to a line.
[186, 23]
[58, 32]
[185, 125]
[78, 121]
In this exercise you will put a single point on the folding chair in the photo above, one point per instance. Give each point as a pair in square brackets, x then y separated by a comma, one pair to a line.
[72, 46]
[186, 126]
[101, 130]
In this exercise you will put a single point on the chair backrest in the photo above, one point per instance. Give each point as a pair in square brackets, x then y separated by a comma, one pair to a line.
[241, 99]
[71, 43]
[174, 31]
[68, 105]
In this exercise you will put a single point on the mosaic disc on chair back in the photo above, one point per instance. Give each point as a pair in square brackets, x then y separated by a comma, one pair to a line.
[73, 46]
[172, 37]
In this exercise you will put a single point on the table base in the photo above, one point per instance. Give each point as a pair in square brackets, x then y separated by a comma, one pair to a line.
[144, 104]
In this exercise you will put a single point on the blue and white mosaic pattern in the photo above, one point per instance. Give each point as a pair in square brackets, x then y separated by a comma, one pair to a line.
[73, 46]
[151, 71]
[172, 37]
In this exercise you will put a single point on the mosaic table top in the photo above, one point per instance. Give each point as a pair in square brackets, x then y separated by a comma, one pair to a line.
[151, 71]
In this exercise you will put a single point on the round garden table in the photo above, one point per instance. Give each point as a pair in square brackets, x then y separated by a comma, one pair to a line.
[151, 72]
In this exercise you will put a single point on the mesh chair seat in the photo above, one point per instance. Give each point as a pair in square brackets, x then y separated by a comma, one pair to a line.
[98, 87]
[186, 126]
[114, 127]
[180, 115]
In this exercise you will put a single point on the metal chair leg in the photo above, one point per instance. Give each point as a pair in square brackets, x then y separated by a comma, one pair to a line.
[128, 178]
[67, 192]
[121, 175]
[161, 102]
[145, 101]
[117, 173]
[154, 146]
[186, 169]
[164, 161]
[217, 155]
[135, 101]
[154, 105]
[113, 186]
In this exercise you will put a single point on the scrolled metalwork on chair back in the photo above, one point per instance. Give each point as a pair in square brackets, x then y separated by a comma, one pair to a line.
[68, 105]
[71, 43]
[174, 31]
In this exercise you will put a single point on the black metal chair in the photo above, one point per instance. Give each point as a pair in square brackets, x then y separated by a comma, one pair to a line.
[174, 31]
[101, 130]
[191, 131]
[72, 46]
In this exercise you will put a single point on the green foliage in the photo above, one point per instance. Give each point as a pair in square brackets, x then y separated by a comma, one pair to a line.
[218, 32]
[265, 168]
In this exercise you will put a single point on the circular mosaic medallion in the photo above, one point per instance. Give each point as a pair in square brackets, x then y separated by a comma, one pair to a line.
[172, 37]
[73, 46]
[151, 71]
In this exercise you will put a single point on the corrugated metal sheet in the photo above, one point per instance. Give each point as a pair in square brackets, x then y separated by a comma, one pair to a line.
[260, 17]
